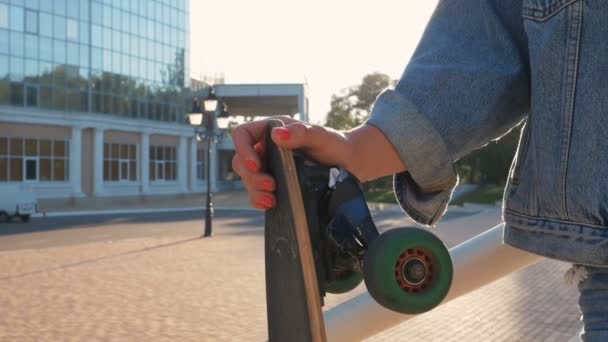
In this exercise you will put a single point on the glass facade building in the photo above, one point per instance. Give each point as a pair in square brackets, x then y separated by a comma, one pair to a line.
[106, 57]
[92, 98]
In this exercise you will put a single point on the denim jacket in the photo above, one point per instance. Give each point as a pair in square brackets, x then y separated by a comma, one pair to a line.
[481, 68]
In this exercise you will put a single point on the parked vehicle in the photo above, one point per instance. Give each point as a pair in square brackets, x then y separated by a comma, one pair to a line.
[22, 205]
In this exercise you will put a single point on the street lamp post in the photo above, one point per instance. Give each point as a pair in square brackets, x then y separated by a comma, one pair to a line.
[212, 110]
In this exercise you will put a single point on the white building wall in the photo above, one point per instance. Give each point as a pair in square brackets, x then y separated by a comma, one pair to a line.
[70, 127]
[182, 164]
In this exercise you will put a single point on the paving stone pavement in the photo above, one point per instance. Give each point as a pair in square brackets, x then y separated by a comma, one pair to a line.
[183, 289]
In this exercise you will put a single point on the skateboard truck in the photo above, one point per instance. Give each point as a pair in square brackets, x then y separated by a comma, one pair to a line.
[406, 269]
[340, 222]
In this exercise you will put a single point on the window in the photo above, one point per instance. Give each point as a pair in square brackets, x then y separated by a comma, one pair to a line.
[119, 162]
[73, 8]
[83, 30]
[59, 29]
[17, 44]
[72, 29]
[3, 159]
[73, 54]
[16, 71]
[31, 4]
[59, 7]
[31, 169]
[31, 96]
[84, 10]
[16, 94]
[163, 163]
[225, 171]
[32, 160]
[46, 25]
[46, 49]
[31, 46]
[3, 16]
[16, 19]
[31, 21]
[4, 41]
[59, 51]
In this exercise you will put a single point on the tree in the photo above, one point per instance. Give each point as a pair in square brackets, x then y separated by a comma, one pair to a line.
[490, 164]
[487, 165]
[352, 105]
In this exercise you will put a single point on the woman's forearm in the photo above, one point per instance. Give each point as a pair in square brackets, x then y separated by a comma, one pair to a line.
[371, 154]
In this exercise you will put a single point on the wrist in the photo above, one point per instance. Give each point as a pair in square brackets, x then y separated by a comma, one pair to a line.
[370, 154]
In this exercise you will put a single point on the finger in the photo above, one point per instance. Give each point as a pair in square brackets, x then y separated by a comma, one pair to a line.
[240, 169]
[263, 182]
[245, 137]
[253, 180]
[262, 199]
[299, 135]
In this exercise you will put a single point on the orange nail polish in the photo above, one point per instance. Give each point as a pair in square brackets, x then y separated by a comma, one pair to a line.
[266, 185]
[266, 201]
[283, 133]
[252, 166]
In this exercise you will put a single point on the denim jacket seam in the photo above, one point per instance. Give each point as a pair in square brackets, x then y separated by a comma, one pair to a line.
[421, 218]
[570, 81]
[590, 225]
[407, 206]
[544, 14]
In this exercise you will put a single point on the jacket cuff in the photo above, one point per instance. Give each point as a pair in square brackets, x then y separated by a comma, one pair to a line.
[423, 191]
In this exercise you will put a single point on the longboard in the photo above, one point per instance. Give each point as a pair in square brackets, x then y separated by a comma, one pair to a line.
[293, 296]
[477, 262]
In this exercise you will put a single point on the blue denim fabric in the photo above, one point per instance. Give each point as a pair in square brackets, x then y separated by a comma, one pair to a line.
[593, 302]
[482, 67]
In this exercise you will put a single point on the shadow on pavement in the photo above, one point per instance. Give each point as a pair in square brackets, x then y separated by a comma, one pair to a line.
[94, 260]
[58, 223]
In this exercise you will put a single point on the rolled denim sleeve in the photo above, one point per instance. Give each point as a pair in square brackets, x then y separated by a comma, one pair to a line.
[466, 84]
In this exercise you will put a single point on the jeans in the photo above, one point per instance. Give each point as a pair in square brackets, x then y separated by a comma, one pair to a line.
[593, 302]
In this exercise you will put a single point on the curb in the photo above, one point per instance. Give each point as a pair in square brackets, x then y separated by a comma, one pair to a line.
[133, 211]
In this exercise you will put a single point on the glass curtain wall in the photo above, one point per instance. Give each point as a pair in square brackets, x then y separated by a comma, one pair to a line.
[112, 57]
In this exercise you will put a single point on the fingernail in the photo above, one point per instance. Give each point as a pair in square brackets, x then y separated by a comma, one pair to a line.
[283, 133]
[267, 201]
[252, 166]
[267, 185]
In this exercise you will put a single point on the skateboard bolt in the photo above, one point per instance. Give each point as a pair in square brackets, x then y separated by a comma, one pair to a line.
[414, 271]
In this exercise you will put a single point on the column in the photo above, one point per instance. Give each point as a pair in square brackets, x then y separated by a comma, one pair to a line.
[303, 105]
[144, 162]
[76, 162]
[193, 168]
[98, 162]
[182, 164]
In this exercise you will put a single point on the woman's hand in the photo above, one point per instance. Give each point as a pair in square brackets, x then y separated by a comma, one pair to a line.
[364, 151]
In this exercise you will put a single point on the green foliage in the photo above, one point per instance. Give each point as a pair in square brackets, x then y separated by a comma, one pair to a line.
[351, 107]
[490, 164]
[487, 165]
[484, 195]
[381, 196]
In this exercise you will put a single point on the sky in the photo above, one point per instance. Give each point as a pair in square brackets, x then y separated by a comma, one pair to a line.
[328, 44]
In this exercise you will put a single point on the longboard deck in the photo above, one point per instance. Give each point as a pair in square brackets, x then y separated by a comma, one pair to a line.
[292, 290]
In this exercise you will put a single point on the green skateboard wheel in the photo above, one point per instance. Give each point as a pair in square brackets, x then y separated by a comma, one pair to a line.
[408, 270]
[345, 283]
